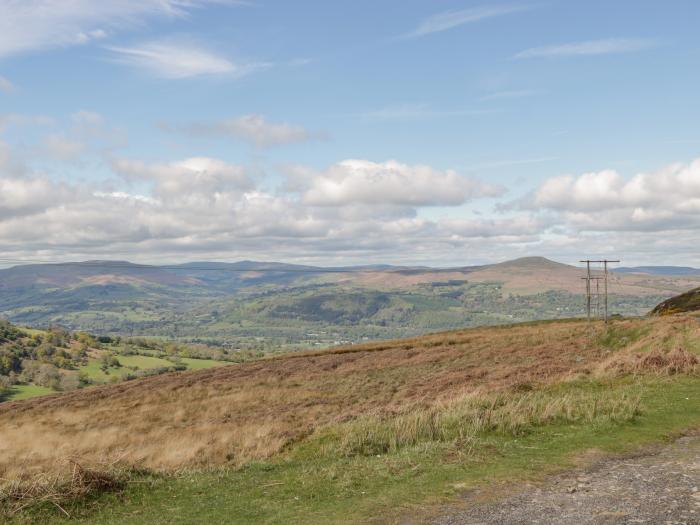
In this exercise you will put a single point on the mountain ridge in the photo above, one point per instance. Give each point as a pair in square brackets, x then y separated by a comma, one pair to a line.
[262, 305]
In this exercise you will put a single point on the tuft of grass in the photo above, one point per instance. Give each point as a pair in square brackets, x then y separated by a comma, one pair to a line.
[656, 361]
[460, 420]
[616, 336]
[32, 489]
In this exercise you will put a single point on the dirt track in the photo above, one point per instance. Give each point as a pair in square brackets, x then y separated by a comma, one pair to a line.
[657, 489]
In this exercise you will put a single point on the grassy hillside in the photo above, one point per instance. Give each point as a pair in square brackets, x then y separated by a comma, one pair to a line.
[683, 303]
[341, 436]
[38, 362]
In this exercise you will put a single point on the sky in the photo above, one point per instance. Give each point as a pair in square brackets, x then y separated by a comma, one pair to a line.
[436, 132]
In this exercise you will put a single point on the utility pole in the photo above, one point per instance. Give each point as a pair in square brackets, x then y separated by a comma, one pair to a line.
[588, 278]
[592, 310]
[588, 290]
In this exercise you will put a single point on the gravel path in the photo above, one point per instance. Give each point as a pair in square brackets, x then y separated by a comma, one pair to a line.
[658, 489]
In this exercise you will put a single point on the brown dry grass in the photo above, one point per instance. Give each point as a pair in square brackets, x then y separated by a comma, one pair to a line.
[233, 414]
[657, 361]
[54, 487]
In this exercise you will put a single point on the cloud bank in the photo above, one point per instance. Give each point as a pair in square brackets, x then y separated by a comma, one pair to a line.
[353, 210]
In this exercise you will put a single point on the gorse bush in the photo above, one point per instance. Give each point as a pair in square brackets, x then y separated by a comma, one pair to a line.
[462, 419]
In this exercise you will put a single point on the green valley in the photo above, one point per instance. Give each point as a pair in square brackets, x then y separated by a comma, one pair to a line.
[266, 307]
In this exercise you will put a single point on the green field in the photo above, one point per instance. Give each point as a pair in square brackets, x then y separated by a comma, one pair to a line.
[93, 371]
[26, 391]
[143, 361]
[130, 363]
[198, 364]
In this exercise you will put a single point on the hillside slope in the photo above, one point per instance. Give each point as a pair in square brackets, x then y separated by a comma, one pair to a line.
[684, 303]
[355, 429]
[255, 409]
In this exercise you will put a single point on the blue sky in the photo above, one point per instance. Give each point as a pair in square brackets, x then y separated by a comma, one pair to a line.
[440, 132]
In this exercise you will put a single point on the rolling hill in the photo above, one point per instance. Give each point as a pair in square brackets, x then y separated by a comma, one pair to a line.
[264, 306]
[340, 436]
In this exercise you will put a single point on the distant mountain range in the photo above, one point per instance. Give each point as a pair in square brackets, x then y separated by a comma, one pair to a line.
[264, 305]
[659, 270]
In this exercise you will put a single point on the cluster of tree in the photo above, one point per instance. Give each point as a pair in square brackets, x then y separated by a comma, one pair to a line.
[38, 357]
[53, 358]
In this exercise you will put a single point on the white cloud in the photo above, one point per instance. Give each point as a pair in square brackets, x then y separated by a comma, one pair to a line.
[515, 228]
[18, 119]
[95, 34]
[92, 128]
[668, 199]
[6, 86]
[251, 128]
[391, 184]
[205, 207]
[61, 147]
[352, 211]
[193, 177]
[86, 118]
[32, 25]
[177, 60]
[607, 46]
[10, 165]
[451, 19]
[21, 196]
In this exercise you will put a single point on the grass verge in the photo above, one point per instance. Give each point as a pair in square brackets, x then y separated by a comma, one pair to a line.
[390, 466]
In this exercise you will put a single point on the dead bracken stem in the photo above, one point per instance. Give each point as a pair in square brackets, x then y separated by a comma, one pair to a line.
[26, 489]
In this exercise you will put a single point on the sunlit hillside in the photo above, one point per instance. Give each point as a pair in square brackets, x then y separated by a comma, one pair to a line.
[421, 410]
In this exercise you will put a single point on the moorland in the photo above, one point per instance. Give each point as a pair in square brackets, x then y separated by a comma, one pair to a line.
[352, 434]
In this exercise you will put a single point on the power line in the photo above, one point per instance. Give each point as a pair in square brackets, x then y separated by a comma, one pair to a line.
[590, 278]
